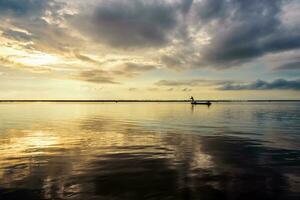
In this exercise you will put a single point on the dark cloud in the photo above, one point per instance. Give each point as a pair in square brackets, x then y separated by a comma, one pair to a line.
[280, 84]
[87, 58]
[191, 83]
[289, 66]
[239, 31]
[246, 29]
[17, 35]
[133, 69]
[210, 9]
[96, 76]
[52, 38]
[186, 6]
[23, 8]
[130, 23]
[127, 70]
[231, 85]
[37, 22]
[174, 61]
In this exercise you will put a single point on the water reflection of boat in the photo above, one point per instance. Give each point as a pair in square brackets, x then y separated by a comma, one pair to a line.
[193, 102]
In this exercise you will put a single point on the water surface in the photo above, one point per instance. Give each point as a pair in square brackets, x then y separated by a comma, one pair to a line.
[149, 151]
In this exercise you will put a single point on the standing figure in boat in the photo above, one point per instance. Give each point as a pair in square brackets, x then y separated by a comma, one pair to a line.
[192, 99]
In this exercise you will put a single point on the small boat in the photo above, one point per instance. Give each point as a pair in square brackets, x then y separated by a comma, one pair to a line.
[201, 103]
[193, 102]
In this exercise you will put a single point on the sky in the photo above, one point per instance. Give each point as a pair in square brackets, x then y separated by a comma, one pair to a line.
[149, 49]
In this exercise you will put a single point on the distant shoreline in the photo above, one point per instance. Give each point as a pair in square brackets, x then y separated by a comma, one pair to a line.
[133, 101]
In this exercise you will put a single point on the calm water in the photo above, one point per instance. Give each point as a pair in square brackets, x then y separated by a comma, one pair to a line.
[150, 151]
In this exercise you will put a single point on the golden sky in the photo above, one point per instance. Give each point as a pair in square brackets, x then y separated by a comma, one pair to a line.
[138, 49]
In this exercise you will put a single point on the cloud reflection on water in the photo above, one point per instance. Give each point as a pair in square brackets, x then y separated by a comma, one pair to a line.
[104, 157]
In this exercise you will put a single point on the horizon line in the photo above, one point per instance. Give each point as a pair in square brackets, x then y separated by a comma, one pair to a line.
[137, 100]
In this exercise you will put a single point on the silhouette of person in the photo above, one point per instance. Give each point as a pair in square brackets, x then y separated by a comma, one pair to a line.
[192, 98]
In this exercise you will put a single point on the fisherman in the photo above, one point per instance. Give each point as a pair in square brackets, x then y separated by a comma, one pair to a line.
[192, 98]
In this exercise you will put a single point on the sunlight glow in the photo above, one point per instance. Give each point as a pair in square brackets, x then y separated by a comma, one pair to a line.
[38, 59]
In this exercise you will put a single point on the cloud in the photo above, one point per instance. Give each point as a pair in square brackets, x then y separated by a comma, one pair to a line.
[246, 29]
[131, 69]
[7, 62]
[23, 8]
[186, 6]
[136, 67]
[186, 90]
[280, 84]
[40, 23]
[180, 34]
[289, 66]
[232, 85]
[208, 10]
[214, 33]
[126, 70]
[174, 61]
[17, 35]
[130, 23]
[87, 58]
[95, 76]
[191, 83]
[237, 32]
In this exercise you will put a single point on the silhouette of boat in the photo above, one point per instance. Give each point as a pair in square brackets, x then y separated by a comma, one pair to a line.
[193, 102]
[201, 103]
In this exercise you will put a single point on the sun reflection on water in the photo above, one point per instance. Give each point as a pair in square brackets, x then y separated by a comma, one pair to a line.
[104, 152]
